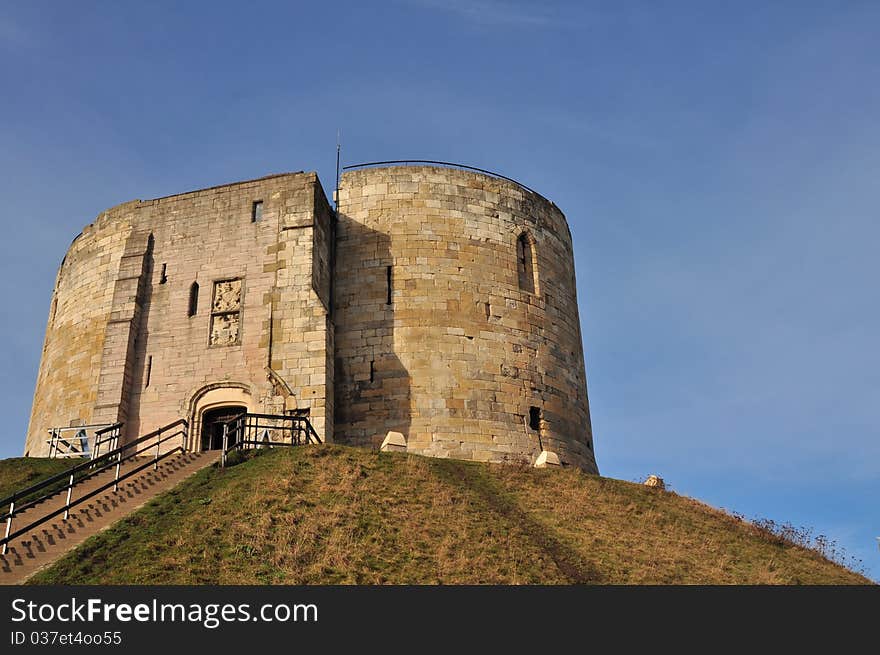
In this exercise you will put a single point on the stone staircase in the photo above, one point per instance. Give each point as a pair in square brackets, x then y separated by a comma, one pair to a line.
[50, 540]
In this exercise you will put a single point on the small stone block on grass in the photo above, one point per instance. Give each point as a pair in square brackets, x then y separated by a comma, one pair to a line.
[547, 458]
[394, 442]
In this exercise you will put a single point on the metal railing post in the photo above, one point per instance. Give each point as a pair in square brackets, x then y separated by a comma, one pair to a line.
[156, 459]
[225, 445]
[116, 479]
[88, 469]
[8, 526]
[67, 504]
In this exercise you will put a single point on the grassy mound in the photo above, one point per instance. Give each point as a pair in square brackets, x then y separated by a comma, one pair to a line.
[328, 514]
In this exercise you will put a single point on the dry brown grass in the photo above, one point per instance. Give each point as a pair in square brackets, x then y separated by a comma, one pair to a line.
[339, 515]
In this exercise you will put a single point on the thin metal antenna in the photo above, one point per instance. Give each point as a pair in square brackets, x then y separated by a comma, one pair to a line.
[336, 193]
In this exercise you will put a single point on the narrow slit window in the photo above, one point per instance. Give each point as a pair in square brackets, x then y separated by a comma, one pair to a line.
[149, 371]
[525, 263]
[488, 311]
[388, 284]
[372, 370]
[535, 418]
[163, 278]
[193, 300]
[257, 211]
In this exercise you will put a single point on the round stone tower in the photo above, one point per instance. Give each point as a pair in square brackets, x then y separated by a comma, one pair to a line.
[456, 318]
[436, 302]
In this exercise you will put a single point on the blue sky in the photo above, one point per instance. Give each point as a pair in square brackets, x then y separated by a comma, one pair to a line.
[718, 164]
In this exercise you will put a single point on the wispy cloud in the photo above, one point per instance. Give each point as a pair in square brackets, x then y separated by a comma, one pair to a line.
[491, 12]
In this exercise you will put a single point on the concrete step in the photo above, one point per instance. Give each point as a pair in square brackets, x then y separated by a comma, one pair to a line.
[50, 540]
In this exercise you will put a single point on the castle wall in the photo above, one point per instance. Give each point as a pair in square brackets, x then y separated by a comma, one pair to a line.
[439, 303]
[132, 351]
[461, 354]
[79, 311]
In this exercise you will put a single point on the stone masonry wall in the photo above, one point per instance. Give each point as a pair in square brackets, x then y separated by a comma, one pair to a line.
[439, 303]
[461, 354]
[123, 304]
[67, 382]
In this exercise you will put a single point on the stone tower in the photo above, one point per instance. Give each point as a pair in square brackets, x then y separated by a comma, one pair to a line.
[436, 302]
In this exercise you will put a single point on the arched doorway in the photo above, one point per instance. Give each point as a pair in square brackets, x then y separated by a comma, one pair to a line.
[212, 404]
[213, 421]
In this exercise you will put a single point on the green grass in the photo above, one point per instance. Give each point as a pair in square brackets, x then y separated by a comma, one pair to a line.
[328, 514]
[20, 472]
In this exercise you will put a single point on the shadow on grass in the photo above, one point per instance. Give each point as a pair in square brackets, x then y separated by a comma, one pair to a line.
[478, 480]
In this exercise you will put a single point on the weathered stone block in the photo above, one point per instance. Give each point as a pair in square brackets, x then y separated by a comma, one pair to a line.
[393, 442]
[547, 458]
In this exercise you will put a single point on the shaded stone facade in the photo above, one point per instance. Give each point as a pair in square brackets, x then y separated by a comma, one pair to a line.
[438, 303]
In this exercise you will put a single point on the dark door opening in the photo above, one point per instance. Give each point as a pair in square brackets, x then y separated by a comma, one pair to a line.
[212, 425]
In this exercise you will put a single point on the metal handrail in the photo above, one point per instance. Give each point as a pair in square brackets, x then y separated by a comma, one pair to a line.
[112, 432]
[55, 478]
[278, 417]
[439, 163]
[82, 499]
[71, 447]
[85, 465]
[238, 424]
[56, 440]
[113, 458]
